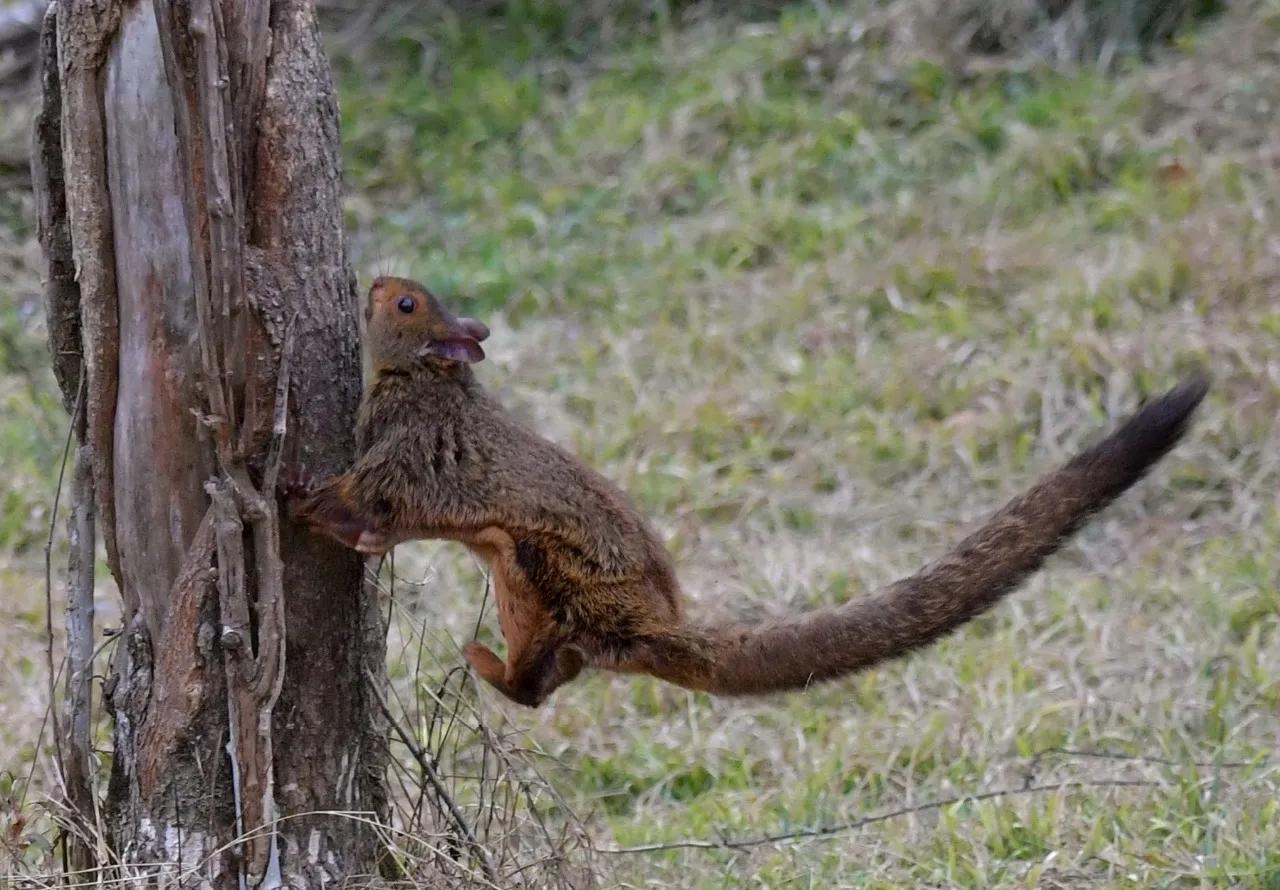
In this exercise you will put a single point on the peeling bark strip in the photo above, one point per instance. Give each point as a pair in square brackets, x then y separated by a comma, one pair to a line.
[195, 144]
[61, 292]
[84, 33]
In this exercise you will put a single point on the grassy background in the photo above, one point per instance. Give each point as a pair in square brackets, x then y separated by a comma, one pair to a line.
[820, 287]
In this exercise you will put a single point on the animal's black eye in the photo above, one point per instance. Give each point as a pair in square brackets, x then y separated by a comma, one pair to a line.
[406, 304]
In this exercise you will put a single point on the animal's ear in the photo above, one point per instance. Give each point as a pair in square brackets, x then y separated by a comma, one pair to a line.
[477, 330]
[458, 348]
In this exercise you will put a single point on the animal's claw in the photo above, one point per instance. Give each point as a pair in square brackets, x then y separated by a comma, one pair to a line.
[295, 484]
[296, 487]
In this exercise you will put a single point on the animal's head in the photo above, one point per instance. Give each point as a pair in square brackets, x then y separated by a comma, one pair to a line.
[407, 326]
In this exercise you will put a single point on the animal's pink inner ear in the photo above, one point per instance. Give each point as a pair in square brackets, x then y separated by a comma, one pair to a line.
[478, 330]
[458, 349]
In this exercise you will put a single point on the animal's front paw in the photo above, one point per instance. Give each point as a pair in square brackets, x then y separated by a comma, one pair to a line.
[327, 510]
[296, 487]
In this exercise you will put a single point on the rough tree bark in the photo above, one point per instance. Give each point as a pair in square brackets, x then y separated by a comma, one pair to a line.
[187, 173]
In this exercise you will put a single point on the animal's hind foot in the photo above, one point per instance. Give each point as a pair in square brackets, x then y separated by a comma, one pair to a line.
[528, 680]
[494, 671]
[488, 665]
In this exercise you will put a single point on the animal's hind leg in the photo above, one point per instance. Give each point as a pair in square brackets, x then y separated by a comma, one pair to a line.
[538, 657]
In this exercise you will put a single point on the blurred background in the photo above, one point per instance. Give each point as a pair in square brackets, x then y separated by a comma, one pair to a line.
[820, 284]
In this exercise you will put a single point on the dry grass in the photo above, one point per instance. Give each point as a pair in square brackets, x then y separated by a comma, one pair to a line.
[819, 303]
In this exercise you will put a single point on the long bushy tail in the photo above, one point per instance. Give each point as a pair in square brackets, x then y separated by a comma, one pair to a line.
[831, 642]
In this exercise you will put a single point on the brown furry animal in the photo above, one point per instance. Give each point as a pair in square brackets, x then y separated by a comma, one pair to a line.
[582, 580]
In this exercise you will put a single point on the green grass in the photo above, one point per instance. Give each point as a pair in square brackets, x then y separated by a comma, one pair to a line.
[819, 297]
[818, 304]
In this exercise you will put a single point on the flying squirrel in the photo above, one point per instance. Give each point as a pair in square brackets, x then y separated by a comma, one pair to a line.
[582, 580]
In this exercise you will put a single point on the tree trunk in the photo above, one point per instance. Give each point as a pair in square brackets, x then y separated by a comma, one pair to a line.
[202, 309]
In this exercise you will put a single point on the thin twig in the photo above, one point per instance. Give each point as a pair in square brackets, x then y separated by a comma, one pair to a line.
[35, 761]
[48, 579]
[830, 830]
[1148, 758]
[460, 823]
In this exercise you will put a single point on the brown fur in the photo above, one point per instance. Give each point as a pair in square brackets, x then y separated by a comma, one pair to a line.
[580, 577]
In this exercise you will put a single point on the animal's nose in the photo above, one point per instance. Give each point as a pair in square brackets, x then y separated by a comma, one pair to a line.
[476, 329]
